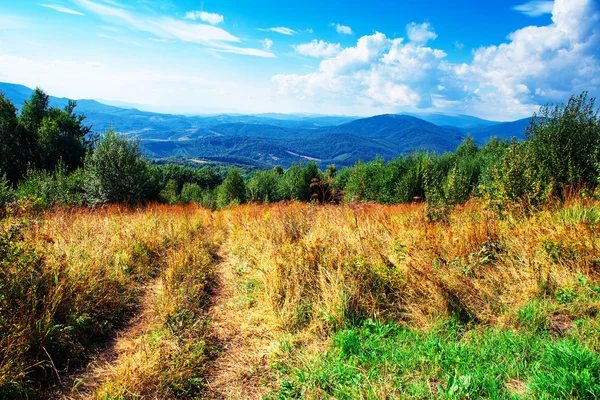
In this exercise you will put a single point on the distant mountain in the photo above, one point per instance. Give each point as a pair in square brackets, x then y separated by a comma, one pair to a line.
[505, 130]
[273, 139]
[403, 133]
[149, 125]
[455, 120]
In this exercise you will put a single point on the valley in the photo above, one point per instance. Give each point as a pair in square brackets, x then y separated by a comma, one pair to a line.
[269, 140]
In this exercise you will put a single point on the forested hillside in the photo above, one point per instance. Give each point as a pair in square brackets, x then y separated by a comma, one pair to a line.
[271, 140]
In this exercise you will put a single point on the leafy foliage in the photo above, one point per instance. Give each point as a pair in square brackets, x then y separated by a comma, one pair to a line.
[117, 171]
[232, 191]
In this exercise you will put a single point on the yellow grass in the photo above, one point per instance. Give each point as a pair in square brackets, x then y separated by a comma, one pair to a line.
[289, 272]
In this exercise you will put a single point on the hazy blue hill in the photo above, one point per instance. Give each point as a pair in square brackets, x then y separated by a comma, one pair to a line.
[256, 130]
[404, 133]
[16, 93]
[259, 152]
[454, 120]
[267, 140]
[505, 130]
[342, 148]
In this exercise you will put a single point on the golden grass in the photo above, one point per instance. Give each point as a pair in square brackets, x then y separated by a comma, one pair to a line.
[321, 267]
[289, 273]
[70, 277]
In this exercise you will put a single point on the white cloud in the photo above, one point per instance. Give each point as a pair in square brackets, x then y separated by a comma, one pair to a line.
[535, 8]
[62, 9]
[267, 44]
[170, 28]
[420, 33]
[280, 29]
[318, 48]
[459, 45]
[508, 81]
[540, 64]
[342, 29]
[211, 18]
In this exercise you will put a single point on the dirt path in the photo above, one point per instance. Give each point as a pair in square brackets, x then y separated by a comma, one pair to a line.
[81, 385]
[245, 339]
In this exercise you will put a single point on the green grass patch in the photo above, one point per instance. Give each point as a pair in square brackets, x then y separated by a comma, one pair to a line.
[377, 360]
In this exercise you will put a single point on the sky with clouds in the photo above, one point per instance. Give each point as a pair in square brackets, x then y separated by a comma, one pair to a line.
[499, 60]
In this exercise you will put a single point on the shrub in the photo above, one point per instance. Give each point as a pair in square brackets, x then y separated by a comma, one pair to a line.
[191, 193]
[564, 142]
[232, 190]
[117, 171]
[6, 194]
[42, 189]
[262, 187]
[170, 193]
[515, 179]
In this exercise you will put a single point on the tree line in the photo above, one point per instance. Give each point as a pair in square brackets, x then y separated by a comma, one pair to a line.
[48, 157]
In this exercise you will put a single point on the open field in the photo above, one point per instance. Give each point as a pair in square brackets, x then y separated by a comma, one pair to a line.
[295, 300]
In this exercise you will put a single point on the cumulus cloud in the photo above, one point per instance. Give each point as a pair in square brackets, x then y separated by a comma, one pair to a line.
[378, 69]
[318, 48]
[342, 29]
[510, 80]
[211, 18]
[420, 33]
[267, 44]
[535, 8]
[279, 29]
[62, 9]
[170, 28]
[540, 64]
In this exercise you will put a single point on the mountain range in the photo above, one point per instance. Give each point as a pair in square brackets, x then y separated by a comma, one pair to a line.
[267, 140]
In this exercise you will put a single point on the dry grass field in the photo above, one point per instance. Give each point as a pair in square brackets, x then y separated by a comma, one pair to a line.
[295, 300]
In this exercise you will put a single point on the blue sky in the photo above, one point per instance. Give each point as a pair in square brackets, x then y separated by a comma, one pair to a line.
[498, 59]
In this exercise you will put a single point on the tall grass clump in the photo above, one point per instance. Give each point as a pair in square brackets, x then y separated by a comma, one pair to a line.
[325, 271]
[69, 278]
[169, 359]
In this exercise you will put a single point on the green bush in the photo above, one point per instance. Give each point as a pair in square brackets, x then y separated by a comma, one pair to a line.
[117, 171]
[262, 187]
[564, 142]
[170, 193]
[6, 194]
[42, 189]
[232, 191]
[191, 193]
[515, 179]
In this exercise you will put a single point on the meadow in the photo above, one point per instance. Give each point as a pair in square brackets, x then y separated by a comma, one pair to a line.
[301, 300]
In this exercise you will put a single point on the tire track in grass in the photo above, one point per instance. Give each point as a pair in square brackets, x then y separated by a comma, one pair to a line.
[245, 339]
[82, 384]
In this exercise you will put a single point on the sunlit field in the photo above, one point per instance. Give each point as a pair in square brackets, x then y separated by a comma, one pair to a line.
[334, 301]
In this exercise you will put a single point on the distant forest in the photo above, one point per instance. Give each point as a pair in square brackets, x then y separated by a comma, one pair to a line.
[49, 157]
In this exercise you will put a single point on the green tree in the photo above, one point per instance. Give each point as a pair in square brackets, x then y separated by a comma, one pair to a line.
[563, 141]
[15, 143]
[62, 136]
[59, 134]
[117, 171]
[232, 190]
[34, 110]
[191, 193]
[262, 187]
